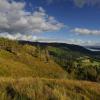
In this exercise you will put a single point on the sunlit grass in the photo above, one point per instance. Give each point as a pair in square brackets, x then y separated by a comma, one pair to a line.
[47, 89]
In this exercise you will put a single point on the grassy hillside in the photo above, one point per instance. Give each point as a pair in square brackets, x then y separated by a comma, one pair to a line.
[19, 61]
[47, 71]
[47, 89]
[49, 60]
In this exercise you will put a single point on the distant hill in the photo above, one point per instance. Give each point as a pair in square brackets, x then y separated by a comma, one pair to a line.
[60, 45]
[75, 48]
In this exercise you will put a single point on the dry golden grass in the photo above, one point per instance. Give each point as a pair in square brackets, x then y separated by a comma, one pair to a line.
[47, 89]
[23, 64]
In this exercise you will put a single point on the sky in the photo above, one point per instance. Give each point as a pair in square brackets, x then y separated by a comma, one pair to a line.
[68, 21]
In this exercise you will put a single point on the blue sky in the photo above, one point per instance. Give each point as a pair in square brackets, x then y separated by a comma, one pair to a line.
[72, 16]
[80, 19]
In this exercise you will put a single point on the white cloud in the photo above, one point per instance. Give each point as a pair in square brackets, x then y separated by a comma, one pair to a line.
[15, 19]
[85, 31]
[81, 42]
[19, 36]
[29, 37]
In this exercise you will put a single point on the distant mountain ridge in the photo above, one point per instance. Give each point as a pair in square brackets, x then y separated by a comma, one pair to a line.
[65, 46]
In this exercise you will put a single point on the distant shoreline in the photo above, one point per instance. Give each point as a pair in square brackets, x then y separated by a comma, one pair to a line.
[93, 49]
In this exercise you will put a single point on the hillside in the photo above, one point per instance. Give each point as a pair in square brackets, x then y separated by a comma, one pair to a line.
[20, 60]
[79, 62]
[28, 70]
[49, 60]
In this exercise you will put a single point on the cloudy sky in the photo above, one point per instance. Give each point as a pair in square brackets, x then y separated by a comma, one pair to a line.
[69, 21]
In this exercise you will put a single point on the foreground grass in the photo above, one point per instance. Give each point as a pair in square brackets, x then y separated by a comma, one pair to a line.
[47, 89]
